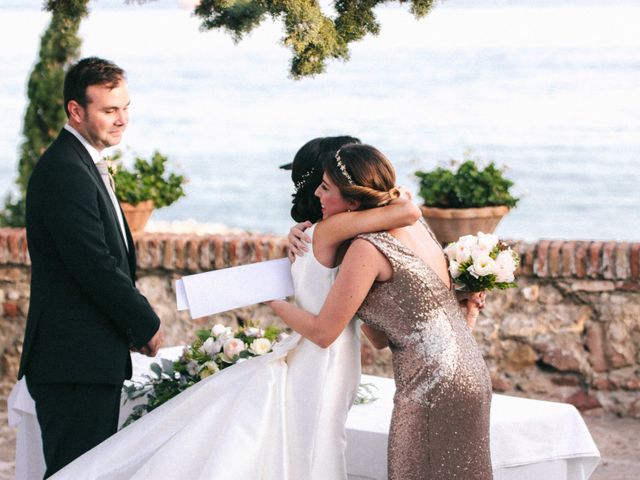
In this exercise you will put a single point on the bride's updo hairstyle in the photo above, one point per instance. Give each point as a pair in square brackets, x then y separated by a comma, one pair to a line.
[364, 174]
[306, 174]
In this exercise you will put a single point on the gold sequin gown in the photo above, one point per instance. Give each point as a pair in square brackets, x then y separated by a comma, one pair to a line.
[440, 423]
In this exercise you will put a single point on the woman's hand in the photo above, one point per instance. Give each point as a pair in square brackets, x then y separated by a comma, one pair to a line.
[298, 240]
[473, 302]
[404, 193]
[472, 314]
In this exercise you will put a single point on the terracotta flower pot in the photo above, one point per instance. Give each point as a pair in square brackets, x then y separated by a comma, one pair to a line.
[137, 215]
[449, 224]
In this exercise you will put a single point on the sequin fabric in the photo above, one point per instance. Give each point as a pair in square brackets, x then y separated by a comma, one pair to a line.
[440, 423]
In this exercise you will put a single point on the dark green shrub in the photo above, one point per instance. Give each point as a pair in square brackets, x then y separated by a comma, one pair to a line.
[467, 187]
[147, 180]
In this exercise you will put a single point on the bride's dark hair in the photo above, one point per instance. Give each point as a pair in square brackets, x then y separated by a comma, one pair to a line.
[363, 173]
[306, 174]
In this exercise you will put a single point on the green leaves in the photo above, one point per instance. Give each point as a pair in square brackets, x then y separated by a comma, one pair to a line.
[148, 180]
[312, 35]
[468, 187]
[45, 115]
[477, 284]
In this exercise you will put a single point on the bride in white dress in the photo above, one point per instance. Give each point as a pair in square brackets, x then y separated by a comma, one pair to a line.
[275, 417]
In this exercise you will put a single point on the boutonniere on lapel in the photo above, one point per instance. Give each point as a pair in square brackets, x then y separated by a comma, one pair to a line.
[113, 168]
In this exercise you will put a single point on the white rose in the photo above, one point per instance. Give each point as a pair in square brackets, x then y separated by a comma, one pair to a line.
[211, 346]
[221, 332]
[254, 332]
[233, 347]
[467, 241]
[463, 252]
[218, 329]
[483, 265]
[450, 251]
[487, 241]
[478, 252]
[454, 269]
[260, 346]
[505, 267]
[208, 368]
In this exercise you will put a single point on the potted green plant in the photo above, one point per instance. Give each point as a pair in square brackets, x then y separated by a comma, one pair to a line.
[145, 187]
[465, 200]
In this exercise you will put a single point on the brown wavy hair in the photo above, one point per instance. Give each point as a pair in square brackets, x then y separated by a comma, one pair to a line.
[372, 174]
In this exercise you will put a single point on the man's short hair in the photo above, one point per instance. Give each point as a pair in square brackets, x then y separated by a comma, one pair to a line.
[86, 72]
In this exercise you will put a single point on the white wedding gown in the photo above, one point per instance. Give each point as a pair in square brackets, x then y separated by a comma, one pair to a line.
[275, 417]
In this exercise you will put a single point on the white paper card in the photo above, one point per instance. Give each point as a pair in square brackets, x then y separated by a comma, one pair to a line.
[181, 296]
[221, 290]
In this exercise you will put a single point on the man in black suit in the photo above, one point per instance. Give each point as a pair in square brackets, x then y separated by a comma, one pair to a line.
[85, 312]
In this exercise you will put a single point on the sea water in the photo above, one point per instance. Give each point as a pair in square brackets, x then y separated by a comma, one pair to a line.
[548, 90]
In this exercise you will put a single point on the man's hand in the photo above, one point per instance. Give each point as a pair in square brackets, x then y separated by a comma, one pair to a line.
[298, 240]
[152, 347]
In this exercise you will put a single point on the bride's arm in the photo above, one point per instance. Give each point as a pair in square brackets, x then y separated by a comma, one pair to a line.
[338, 228]
[401, 212]
[361, 266]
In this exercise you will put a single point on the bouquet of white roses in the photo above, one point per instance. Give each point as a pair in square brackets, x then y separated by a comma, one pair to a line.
[212, 350]
[482, 262]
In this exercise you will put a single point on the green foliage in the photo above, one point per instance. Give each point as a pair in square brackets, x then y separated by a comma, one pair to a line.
[148, 180]
[169, 378]
[313, 36]
[14, 212]
[45, 116]
[468, 187]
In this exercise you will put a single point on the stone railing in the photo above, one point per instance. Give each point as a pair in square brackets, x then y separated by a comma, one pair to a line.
[571, 332]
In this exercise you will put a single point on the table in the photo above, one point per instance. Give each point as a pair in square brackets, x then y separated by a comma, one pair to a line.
[530, 439]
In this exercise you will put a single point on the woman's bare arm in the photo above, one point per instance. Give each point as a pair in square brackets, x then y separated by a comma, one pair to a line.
[333, 231]
[362, 265]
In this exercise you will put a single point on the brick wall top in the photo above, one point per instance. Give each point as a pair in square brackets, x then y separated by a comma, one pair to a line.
[581, 259]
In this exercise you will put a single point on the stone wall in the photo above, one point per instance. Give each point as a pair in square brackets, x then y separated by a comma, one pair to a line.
[571, 332]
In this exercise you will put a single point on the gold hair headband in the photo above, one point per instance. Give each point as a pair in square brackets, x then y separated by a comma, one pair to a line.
[343, 169]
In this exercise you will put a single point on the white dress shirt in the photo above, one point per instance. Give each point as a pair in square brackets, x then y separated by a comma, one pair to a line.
[96, 156]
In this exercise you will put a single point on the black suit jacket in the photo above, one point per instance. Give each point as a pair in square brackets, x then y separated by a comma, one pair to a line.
[85, 311]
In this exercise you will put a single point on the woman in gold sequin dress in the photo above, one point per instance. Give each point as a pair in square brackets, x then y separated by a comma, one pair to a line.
[398, 284]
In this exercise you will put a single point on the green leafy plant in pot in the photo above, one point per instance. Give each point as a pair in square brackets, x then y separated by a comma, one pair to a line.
[145, 187]
[465, 200]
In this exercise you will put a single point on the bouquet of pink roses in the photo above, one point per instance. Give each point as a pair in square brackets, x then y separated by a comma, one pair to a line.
[482, 262]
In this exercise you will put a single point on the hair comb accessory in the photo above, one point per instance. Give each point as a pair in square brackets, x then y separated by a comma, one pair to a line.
[343, 169]
[304, 178]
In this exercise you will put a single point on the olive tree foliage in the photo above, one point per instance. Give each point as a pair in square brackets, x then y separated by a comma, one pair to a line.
[314, 36]
[45, 115]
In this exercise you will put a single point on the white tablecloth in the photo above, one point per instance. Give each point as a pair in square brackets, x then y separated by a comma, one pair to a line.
[530, 439]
